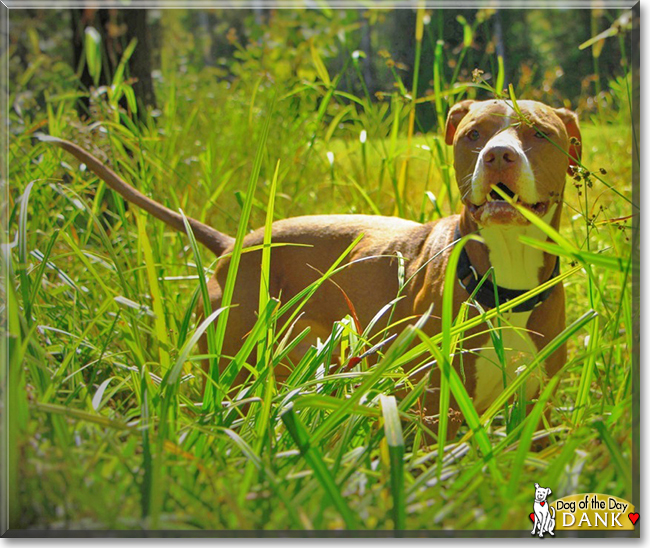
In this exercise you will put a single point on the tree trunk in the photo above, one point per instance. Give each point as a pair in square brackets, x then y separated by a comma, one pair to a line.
[140, 62]
[117, 28]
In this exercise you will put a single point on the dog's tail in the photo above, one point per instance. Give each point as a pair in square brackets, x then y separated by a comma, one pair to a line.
[215, 241]
[552, 512]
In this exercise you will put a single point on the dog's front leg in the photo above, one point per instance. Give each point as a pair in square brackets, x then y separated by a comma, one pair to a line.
[543, 525]
[537, 524]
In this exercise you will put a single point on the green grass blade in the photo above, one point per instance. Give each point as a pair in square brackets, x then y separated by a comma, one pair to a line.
[242, 230]
[296, 304]
[600, 260]
[313, 456]
[466, 406]
[500, 75]
[275, 483]
[210, 333]
[395, 442]
[447, 348]
[532, 422]
[388, 361]
[266, 251]
[156, 296]
[539, 359]
[265, 339]
[328, 403]
[263, 434]
[622, 465]
[583, 396]
[260, 329]
[183, 355]
[22, 251]
[78, 414]
[466, 325]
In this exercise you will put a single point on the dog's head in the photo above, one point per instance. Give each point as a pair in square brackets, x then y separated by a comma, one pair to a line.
[526, 155]
[541, 493]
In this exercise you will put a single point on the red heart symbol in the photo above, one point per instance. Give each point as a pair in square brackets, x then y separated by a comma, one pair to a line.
[633, 517]
[532, 517]
[543, 503]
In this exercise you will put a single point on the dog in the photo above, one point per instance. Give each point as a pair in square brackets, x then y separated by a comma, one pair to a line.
[544, 521]
[525, 154]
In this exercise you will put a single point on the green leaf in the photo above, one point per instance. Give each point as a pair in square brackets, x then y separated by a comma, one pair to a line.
[320, 66]
[118, 78]
[501, 75]
[93, 50]
[467, 31]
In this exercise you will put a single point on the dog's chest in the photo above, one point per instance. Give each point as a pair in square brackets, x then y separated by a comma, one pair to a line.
[494, 372]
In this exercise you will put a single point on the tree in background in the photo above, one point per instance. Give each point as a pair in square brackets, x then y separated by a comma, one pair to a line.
[539, 48]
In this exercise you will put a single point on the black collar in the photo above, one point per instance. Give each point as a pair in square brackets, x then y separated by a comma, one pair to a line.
[486, 296]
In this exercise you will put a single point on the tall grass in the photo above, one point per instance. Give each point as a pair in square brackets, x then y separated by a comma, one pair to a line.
[109, 427]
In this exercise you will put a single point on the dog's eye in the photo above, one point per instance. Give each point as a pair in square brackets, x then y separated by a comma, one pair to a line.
[540, 134]
[473, 135]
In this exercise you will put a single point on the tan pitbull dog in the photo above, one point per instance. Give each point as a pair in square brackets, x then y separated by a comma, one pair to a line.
[527, 160]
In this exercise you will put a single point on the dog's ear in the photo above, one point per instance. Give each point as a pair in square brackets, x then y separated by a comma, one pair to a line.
[537, 486]
[548, 491]
[456, 114]
[570, 120]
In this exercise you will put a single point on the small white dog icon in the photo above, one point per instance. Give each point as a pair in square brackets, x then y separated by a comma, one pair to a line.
[544, 516]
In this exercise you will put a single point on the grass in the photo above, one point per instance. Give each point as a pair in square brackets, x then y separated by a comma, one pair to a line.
[109, 425]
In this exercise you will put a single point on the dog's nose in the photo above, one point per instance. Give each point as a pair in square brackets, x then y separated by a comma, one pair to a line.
[500, 156]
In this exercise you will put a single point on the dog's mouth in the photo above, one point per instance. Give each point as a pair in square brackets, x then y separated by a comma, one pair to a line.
[496, 210]
[495, 196]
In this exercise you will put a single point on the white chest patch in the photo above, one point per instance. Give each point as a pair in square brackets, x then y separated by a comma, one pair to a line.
[494, 374]
[516, 266]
